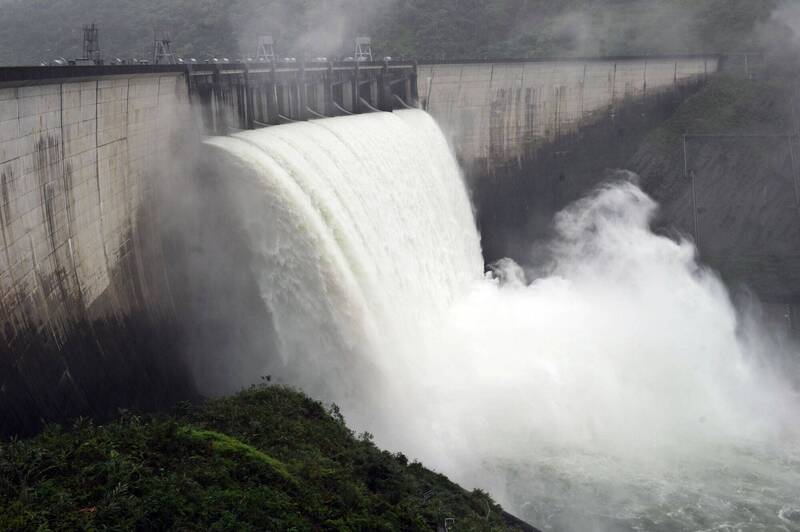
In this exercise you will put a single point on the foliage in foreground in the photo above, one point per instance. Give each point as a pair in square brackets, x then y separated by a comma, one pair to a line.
[268, 458]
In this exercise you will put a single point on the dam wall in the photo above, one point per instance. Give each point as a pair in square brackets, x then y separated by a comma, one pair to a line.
[500, 113]
[104, 302]
[86, 322]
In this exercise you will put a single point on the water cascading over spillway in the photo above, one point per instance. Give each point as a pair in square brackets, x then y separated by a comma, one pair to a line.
[617, 390]
[358, 223]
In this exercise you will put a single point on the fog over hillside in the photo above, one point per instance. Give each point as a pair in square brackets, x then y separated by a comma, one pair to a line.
[32, 31]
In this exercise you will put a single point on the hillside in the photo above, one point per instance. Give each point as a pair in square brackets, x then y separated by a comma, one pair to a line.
[744, 169]
[266, 459]
[32, 31]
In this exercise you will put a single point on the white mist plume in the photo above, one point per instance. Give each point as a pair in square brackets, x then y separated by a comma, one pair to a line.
[637, 27]
[787, 16]
[622, 379]
[779, 37]
[324, 28]
[626, 355]
[627, 345]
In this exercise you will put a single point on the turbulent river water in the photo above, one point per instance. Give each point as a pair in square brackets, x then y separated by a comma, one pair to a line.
[612, 387]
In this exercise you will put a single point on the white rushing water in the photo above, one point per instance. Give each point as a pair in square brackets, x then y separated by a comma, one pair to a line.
[616, 389]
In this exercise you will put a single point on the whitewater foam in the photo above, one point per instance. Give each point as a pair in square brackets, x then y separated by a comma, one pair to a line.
[622, 365]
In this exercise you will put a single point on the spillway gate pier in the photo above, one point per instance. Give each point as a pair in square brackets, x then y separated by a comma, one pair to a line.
[248, 95]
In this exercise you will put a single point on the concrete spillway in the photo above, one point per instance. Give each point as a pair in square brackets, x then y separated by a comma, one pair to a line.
[318, 201]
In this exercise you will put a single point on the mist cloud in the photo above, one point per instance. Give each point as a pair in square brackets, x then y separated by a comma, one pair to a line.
[325, 28]
[622, 363]
[571, 391]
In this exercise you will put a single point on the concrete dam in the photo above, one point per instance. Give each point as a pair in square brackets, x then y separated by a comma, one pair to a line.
[498, 114]
[91, 159]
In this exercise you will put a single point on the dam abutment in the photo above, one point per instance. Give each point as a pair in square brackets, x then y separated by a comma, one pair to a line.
[88, 326]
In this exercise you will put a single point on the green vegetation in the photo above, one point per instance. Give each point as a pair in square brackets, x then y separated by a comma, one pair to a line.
[266, 459]
[40, 30]
[731, 105]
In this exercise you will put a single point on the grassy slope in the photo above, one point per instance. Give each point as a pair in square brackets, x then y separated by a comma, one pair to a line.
[746, 213]
[731, 104]
[726, 105]
[266, 459]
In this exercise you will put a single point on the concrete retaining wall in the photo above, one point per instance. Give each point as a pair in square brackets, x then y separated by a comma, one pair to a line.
[85, 309]
[500, 112]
